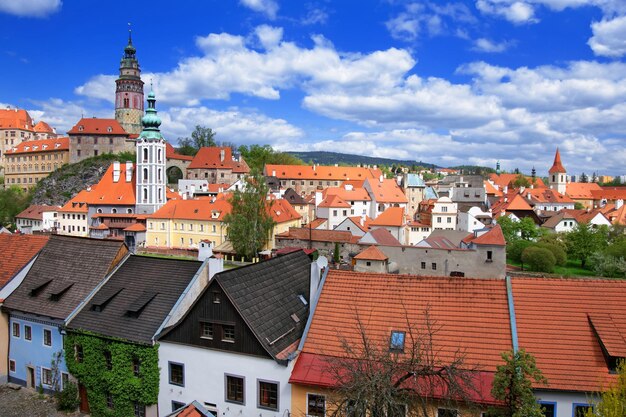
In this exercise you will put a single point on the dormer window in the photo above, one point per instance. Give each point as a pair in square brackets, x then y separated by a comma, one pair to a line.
[109, 129]
[80, 129]
[396, 343]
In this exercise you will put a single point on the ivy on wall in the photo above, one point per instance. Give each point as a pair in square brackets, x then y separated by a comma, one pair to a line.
[120, 381]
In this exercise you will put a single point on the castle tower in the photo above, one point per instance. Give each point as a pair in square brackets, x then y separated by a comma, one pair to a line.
[129, 91]
[150, 191]
[557, 180]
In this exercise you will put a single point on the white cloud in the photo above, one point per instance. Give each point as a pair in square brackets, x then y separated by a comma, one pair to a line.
[609, 37]
[430, 18]
[315, 16]
[63, 115]
[30, 8]
[269, 36]
[486, 45]
[517, 12]
[267, 7]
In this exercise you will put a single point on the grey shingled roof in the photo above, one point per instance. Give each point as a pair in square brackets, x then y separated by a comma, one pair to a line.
[146, 286]
[266, 295]
[73, 264]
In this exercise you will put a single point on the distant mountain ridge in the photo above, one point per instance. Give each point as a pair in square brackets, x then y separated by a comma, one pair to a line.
[331, 158]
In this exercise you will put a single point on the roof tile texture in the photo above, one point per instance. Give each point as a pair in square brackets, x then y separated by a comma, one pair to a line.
[17, 251]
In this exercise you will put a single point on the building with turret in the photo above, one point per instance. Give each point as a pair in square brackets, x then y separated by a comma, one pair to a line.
[557, 180]
[129, 91]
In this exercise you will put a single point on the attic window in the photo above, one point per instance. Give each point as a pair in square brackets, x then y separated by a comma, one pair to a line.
[610, 339]
[396, 343]
[58, 291]
[140, 303]
[295, 318]
[104, 297]
[109, 129]
[304, 301]
[34, 292]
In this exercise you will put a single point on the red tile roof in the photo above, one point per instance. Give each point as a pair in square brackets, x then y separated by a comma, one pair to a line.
[197, 209]
[333, 201]
[108, 192]
[94, 126]
[384, 237]
[505, 180]
[43, 127]
[42, 145]
[491, 190]
[170, 153]
[553, 322]
[77, 204]
[355, 194]
[393, 216]
[211, 158]
[387, 191]
[320, 172]
[137, 227]
[557, 166]
[372, 253]
[357, 222]
[35, 212]
[493, 237]
[318, 235]
[15, 118]
[581, 190]
[546, 195]
[17, 251]
[282, 211]
[609, 193]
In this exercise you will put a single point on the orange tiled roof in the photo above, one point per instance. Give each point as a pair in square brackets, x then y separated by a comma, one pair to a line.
[282, 211]
[321, 172]
[387, 191]
[546, 195]
[35, 212]
[372, 254]
[15, 118]
[471, 314]
[609, 193]
[491, 190]
[383, 237]
[355, 194]
[515, 202]
[561, 337]
[137, 227]
[319, 235]
[196, 209]
[43, 127]
[170, 153]
[94, 126]
[492, 237]
[393, 216]
[77, 204]
[108, 192]
[43, 145]
[557, 166]
[581, 190]
[334, 201]
[617, 216]
[314, 224]
[17, 251]
[505, 180]
[357, 222]
[210, 158]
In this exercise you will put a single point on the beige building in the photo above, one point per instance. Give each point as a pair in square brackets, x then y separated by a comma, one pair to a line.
[72, 217]
[16, 126]
[31, 161]
[217, 165]
[93, 137]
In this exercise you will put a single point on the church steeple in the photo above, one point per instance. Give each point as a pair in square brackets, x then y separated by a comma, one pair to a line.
[558, 175]
[129, 90]
[150, 191]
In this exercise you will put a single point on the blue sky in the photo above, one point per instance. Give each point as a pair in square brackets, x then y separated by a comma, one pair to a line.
[458, 82]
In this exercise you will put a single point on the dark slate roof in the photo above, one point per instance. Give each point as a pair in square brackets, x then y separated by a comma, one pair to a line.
[267, 294]
[136, 299]
[67, 270]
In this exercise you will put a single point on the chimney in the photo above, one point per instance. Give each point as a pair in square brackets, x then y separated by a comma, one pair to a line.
[314, 165]
[381, 178]
[618, 204]
[222, 155]
[505, 190]
[116, 171]
[129, 171]
[273, 173]
[348, 187]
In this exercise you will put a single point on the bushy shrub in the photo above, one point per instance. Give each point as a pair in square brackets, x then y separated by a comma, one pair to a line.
[559, 253]
[617, 249]
[538, 259]
[67, 400]
[606, 265]
[514, 249]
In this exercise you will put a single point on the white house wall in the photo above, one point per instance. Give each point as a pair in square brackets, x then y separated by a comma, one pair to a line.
[565, 401]
[204, 380]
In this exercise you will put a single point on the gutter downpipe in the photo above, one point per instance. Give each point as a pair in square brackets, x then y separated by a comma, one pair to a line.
[512, 319]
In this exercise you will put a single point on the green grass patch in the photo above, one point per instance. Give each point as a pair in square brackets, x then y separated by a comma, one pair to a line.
[571, 269]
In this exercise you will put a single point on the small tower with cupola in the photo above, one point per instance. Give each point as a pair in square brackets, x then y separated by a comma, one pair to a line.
[557, 179]
[129, 91]
[150, 191]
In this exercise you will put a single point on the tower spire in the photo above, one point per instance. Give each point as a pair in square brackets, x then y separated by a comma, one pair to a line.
[130, 33]
[557, 165]
[129, 99]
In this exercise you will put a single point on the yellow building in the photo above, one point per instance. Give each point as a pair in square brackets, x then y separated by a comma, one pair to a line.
[29, 162]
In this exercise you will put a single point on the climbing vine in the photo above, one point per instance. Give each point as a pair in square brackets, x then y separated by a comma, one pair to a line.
[107, 368]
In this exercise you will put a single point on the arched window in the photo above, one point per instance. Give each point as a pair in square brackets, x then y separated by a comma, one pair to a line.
[159, 175]
[126, 103]
[160, 194]
[129, 211]
[145, 154]
[114, 210]
[145, 195]
[160, 154]
[99, 210]
[145, 175]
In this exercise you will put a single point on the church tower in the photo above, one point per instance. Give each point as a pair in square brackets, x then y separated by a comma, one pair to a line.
[557, 180]
[129, 91]
[150, 191]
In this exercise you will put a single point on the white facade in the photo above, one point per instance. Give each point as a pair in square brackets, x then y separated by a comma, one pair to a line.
[348, 225]
[151, 179]
[417, 232]
[565, 225]
[469, 221]
[47, 223]
[334, 215]
[565, 403]
[73, 223]
[444, 214]
[204, 380]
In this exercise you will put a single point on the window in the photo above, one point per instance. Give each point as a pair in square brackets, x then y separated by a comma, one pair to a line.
[28, 332]
[268, 395]
[423, 265]
[368, 263]
[95, 152]
[177, 373]
[444, 209]
[136, 366]
[434, 266]
[108, 360]
[447, 412]
[140, 410]
[206, 330]
[11, 365]
[65, 379]
[580, 410]
[47, 337]
[228, 333]
[549, 409]
[438, 219]
[449, 219]
[177, 406]
[334, 212]
[16, 330]
[46, 376]
[235, 389]
[216, 297]
[316, 405]
[489, 256]
[397, 341]
[110, 400]
[78, 353]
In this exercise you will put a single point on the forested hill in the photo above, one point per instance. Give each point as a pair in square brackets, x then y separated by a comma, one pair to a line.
[331, 158]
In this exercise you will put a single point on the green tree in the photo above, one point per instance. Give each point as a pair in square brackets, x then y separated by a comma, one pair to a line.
[515, 249]
[612, 402]
[13, 200]
[257, 156]
[559, 253]
[521, 181]
[250, 223]
[528, 229]
[200, 137]
[584, 241]
[510, 228]
[538, 259]
[584, 178]
[513, 384]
